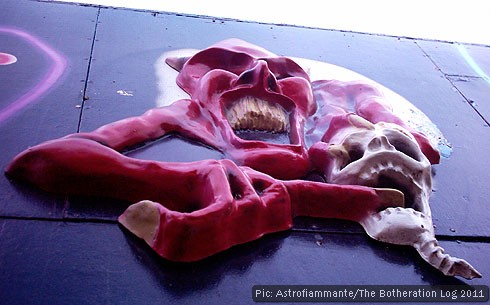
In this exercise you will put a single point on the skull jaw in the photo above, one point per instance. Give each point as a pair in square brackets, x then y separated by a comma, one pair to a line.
[390, 170]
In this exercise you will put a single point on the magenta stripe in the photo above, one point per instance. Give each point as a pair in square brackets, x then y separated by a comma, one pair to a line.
[58, 65]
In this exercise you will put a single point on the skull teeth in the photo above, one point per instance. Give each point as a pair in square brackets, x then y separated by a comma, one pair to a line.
[400, 178]
[251, 113]
[398, 173]
[386, 174]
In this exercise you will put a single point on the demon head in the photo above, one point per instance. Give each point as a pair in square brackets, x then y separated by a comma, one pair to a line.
[256, 92]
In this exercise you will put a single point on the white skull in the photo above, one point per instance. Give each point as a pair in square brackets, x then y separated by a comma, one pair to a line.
[385, 155]
[381, 155]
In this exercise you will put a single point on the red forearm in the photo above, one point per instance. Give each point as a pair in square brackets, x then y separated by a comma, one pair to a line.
[85, 167]
[133, 131]
[349, 202]
[183, 117]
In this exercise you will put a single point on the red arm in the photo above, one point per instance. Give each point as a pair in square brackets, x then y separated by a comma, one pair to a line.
[349, 202]
[91, 163]
[371, 105]
[317, 199]
[187, 211]
[368, 102]
[184, 117]
[196, 209]
[85, 167]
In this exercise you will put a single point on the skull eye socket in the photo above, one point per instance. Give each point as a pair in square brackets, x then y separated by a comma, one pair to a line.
[355, 153]
[405, 146]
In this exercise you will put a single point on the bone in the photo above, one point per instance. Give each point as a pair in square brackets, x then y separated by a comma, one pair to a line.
[142, 220]
[405, 226]
[430, 251]
[411, 225]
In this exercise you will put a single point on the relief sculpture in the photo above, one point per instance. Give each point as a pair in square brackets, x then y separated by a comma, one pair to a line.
[293, 147]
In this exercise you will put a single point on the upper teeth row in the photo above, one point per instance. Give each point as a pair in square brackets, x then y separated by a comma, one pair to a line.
[251, 113]
[408, 177]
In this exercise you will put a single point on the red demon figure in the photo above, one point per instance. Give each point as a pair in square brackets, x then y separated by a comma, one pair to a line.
[276, 129]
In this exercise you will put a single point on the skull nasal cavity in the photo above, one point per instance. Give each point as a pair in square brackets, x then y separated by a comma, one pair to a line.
[259, 75]
[380, 142]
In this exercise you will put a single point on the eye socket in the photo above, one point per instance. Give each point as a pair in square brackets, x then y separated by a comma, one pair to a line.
[406, 147]
[284, 67]
[245, 78]
[355, 153]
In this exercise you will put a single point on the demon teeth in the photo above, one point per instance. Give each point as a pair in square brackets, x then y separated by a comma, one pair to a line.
[251, 113]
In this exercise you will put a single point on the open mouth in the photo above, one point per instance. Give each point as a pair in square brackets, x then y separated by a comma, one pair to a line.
[390, 176]
[387, 182]
[253, 118]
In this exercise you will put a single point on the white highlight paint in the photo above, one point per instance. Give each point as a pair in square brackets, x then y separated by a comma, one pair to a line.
[124, 92]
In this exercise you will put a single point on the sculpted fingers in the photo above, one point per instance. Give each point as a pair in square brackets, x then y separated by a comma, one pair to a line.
[232, 210]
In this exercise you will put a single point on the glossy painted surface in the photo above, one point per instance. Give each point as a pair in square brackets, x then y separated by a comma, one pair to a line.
[99, 263]
[235, 86]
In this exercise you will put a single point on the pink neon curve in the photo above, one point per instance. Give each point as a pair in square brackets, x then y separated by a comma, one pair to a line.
[57, 67]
